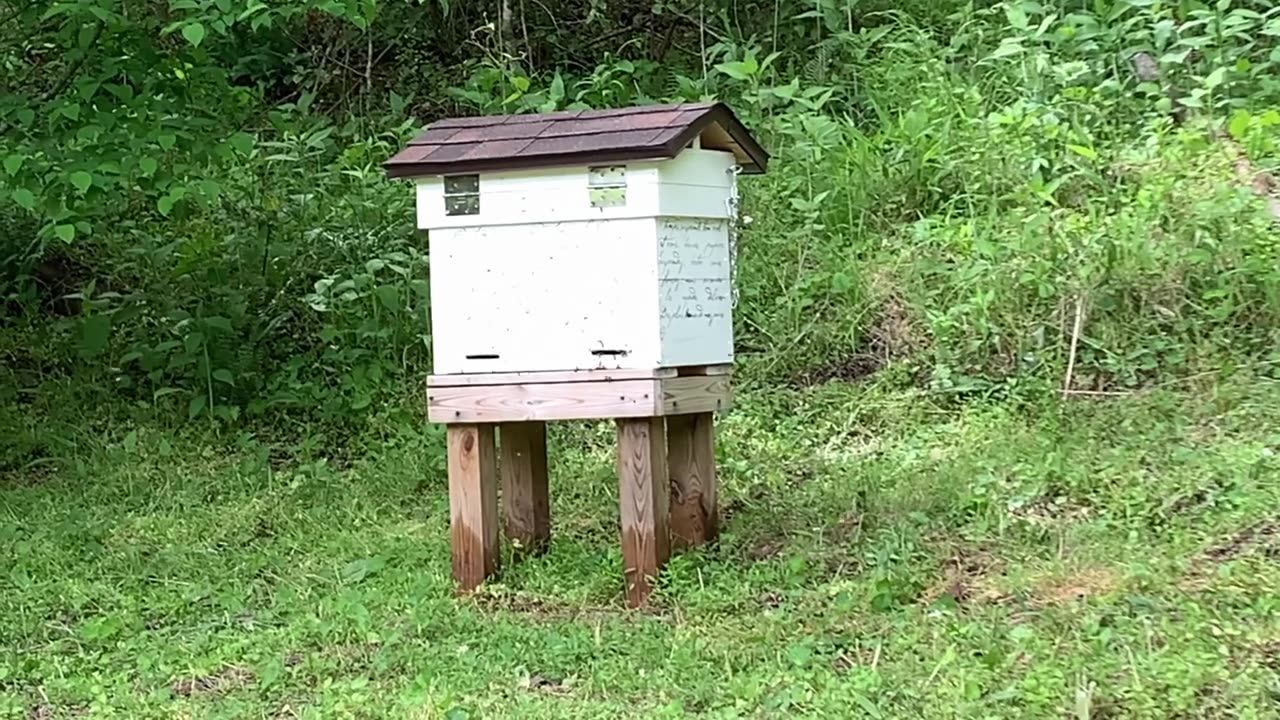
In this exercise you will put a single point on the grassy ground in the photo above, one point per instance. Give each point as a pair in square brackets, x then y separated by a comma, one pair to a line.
[883, 556]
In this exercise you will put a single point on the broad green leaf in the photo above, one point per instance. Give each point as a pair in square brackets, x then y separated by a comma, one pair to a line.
[193, 32]
[735, 70]
[1239, 124]
[148, 165]
[167, 141]
[196, 406]
[24, 198]
[242, 142]
[81, 180]
[1083, 151]
[224, 376]
[1216, 78]
[389, 295]
[254, 8]
[165, 205]
[357, 570]
[65, 233]
[13, 164]
[1008, 46]
[219, 322]
[1017, 17]
[94, 333]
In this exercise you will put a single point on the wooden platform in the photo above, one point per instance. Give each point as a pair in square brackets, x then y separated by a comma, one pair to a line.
[665, 461]
[577, 395]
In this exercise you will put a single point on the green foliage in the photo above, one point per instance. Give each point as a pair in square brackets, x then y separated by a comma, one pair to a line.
[198, 219]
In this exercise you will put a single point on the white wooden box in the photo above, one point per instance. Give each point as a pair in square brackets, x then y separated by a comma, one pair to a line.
[573, 268]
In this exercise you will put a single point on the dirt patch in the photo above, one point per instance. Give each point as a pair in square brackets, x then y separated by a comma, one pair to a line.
[891, 336]
[842, 541]
[1262, 537]
[850, 369]
[769, 600]
[847, 658]
[848, 527]
[37, 469]
[548, 685]
[766, 548]
[1046, 512]
[967, 580]
[46, 710]
[229, 678]
[1079, 585]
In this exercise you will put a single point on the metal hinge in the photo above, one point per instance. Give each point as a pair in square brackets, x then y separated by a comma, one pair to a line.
[462, 195]
[607, 186]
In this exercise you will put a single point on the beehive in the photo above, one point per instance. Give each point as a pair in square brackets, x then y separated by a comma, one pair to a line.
[580, 240]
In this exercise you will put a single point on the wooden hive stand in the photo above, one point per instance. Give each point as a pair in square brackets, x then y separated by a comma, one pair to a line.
[496, 430]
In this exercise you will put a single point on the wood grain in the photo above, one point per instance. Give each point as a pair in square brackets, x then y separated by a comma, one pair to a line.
[643, 497]
[542, 401]
[691, 456]
[473, 503]
[695, 394]
[526, 503]
[602, 399]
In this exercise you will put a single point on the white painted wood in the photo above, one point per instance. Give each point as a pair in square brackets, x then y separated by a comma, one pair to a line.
[541, 281]
[562, 376]
[544, 297]
[697, 183]
[695, 295]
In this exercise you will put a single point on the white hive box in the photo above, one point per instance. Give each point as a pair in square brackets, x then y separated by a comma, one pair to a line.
[580, 241]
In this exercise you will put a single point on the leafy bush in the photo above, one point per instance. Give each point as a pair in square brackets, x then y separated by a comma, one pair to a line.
[196, 217]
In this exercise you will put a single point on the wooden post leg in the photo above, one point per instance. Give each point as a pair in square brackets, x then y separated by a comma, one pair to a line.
[691, 454]
[643, 496]
[473, 503]
[525, 502]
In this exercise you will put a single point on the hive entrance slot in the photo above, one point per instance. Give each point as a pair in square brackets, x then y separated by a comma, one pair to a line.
[483, 356]
[608, 353]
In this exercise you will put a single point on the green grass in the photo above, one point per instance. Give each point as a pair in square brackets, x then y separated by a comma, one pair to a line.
[883, 556]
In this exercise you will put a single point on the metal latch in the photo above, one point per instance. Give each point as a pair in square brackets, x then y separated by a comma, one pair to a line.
[607, 186]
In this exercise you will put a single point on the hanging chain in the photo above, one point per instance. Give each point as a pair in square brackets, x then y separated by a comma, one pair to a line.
[731, 204]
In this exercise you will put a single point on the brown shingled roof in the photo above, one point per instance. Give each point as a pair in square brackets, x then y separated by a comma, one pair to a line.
[574, 137]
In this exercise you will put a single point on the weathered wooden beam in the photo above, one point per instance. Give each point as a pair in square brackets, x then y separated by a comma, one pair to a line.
[473, 503]
[691, 456]
[531, 400]
[526, 502]
[643, 498]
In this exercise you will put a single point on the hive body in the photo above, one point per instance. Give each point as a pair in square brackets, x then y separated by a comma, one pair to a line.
[622, 266]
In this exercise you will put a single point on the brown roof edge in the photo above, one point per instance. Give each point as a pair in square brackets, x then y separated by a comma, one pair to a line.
[717, 113]
[721, 114]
